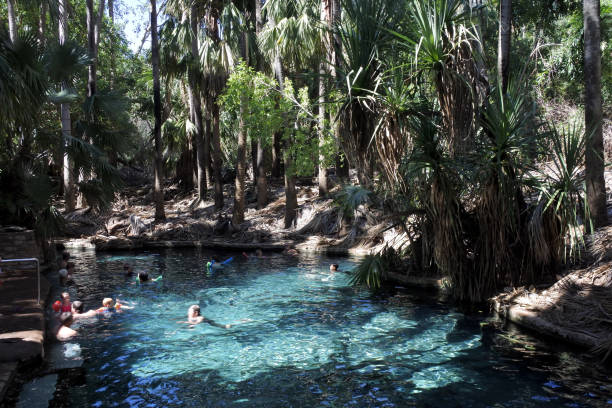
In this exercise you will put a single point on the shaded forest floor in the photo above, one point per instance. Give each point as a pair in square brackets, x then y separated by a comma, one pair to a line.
[319, 224]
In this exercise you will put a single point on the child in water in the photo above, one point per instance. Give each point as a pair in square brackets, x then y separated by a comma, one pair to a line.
[194, 316]
[108, 305]
[63, 330]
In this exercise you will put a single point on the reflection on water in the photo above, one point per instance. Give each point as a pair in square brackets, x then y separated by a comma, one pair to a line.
[303, 337]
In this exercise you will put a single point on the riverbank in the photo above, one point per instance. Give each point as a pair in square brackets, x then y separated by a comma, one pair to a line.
[576, 309]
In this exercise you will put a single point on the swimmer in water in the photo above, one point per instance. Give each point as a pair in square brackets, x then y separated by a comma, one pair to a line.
[143, 277]
[77, 311]
[127, 270]
[108, 305]
[333, 268]
[66, 305]
[258, 254]
[194, 316]
[216, 263]
[63, 330]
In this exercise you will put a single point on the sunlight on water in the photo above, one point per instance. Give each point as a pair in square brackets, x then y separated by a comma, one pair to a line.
[300, 336]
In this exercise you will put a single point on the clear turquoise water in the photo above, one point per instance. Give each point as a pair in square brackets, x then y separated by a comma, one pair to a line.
[302, 338]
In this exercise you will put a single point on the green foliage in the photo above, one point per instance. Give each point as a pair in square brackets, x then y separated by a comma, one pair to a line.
[349, 198]
[369, 272]
[261, 118]
[562, 192]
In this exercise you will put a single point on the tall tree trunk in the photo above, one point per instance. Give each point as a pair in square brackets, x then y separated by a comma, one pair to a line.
[68, 176]
[326, 36]
[207, 155]
[91, 45]
[158, 192]
[277, 142]
[594, 163]
[323, 190]
[277, 153]
[12, 20]
[42, 22]
[290, 194]
[217, 163]
[260, 171]
[194, 101]
[503, 44]
[342, 165]
[238, 212]
[111, 16]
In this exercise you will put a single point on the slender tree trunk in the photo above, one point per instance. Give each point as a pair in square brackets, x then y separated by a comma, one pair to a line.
[594, 163]
[260, 171]
[503, 44]
[277, 153]
[111, 16]
[323, 190]
[327, 18]
[207, 155]
[158, 192]
[91, 45]
[194, 100]
[98, 26]
[277, 144]
[290, 194]
[42, 22]
[238, 212]
[68, 176]
[217, 163]
[254, 159]
[342, 165]
[12, 20]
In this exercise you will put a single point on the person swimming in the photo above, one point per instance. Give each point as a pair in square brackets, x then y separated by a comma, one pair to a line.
[109, 305]
[216, 263]
[333, 267]
[63, 330]
[143, 277]
[77, 310]
[194, 316]
[127, 270]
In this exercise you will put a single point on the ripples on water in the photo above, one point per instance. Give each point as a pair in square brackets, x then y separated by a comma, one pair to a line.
[302, 337]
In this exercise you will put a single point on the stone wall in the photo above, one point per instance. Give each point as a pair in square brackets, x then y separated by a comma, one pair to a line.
[19, 243]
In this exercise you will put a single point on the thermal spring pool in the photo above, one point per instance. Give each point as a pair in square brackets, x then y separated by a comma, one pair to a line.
[301, 337]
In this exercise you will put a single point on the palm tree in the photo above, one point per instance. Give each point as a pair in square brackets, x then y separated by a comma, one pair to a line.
[326, 42]
[260, 170]
[158, 192]
[503, 46]
[69, 187]
[196, 107]
[595, 181]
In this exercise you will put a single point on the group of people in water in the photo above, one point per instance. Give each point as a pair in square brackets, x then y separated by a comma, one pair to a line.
[66, 311]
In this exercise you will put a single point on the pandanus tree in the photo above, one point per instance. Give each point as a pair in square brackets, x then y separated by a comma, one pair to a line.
[365, 32]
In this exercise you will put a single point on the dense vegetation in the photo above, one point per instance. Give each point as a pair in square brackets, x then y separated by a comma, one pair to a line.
[441, 107]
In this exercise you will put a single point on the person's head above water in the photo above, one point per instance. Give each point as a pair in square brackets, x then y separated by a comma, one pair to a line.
[258, 253]
[143, 276]
[193, 311]
[333, 267]
[107, 302]
[77, 306]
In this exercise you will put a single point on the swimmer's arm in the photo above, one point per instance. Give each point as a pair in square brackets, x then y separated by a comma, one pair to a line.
[157, 279]
[213, 323]
[89, 313]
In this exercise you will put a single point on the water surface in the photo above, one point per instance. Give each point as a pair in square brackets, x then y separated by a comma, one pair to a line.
[302, 337]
